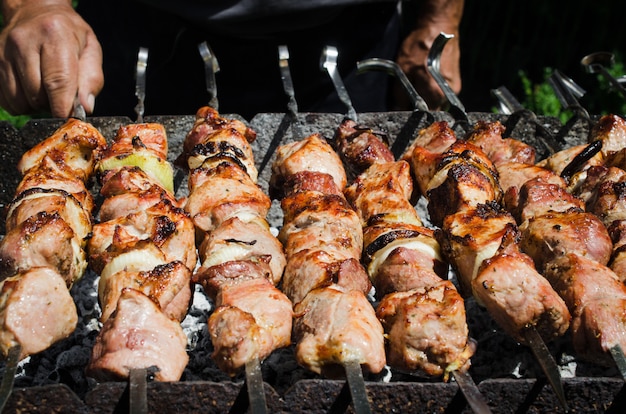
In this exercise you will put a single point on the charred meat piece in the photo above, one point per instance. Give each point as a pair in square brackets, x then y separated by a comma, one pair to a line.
[71, 147]
[359, 147]
[43, 240]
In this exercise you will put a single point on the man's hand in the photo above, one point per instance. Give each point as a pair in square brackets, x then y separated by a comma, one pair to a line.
[435, 17]
[48, 54]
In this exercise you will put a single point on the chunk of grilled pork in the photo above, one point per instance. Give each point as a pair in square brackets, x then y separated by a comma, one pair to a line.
[517, 296]
[43, 240]
[597, 301]
[333, 326]
[36, 311]
[71, 147]
[310, 154]
[251, 308]
[138, 335]
[488, 137]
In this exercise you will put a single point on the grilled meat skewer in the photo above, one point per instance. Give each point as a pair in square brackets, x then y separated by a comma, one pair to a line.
[240, 259]
[423, 314]
[144, 253]
[323, 242]
[42, 255]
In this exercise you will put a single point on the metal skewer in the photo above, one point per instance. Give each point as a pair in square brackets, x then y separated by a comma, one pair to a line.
[211, 67]
[291, 117]
[328, 62]
[6, 387]
[78, 111]
[420, 108]
[547, 363]
[140, 82]
[433, 65]
[597, 63]
[473, 396]
[254, 383]
[509, 105]
[138, 388]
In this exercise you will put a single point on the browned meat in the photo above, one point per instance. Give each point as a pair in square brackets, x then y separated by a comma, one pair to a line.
[360, 147]
[550, 236]
[310, 154]
[122, 205]
[168, 227]
[48, 175]
[43, 240]
[518, 297]
[252, 308]
[238, 240]
[71, 147]
[232, 272]
[468, 238]
[488, 137]
[208, 121]
[611, 130]
[226, 191]
[334, 326]
[138, 335]
[322, 222]
[538, 197]
[382, 193]
[310, 181]
[129, 137]
[425, 152]
[36, 311]
[597, 301]
[426, 329]
[513, 175]
[313, 268]
[37, 200]
[169, 285]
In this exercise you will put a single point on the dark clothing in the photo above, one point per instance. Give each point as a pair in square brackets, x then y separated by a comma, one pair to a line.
[249, 78]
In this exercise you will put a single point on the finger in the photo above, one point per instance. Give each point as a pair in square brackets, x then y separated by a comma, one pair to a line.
[59, 66]
[90, 75]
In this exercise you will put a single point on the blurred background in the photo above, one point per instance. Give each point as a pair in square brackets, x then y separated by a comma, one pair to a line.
[518, 44]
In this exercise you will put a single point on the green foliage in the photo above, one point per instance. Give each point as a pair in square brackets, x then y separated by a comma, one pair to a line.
[17, 121]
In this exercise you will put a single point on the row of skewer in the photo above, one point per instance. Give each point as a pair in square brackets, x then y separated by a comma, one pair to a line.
[204, 157]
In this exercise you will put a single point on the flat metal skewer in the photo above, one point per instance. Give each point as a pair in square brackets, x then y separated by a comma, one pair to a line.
[138, 391]
[547, 363]
[620, 360]
[328, 62]
[473, 396]
[254, 383]
[358, 392]
[509, 105]
[433, 65]
[140, 82]
[6, 387]
[211, 67]
[597, 62]
[285, 74]
[78, 110]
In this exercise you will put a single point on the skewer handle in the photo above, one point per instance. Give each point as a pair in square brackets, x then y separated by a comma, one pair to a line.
[140, 82]
[328, 62]
[211, 67]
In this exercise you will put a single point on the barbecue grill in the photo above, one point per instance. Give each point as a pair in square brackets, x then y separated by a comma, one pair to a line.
[506, 372]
